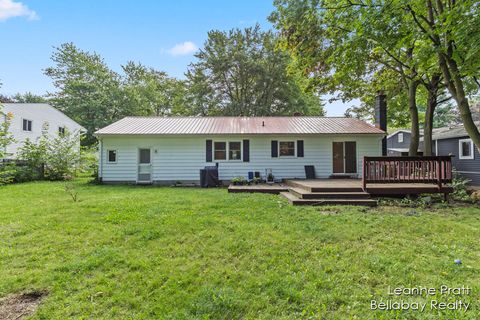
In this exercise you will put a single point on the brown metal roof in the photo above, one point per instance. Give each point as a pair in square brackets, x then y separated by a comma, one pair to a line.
[237, 125]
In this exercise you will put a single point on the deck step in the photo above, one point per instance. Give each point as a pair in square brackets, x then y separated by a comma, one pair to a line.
[294, 200]
[304, 194]
[333, 188]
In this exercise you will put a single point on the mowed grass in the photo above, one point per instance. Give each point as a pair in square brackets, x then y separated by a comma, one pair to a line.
[126, 252]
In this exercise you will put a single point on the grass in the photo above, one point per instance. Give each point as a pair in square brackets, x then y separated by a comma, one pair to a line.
[124, 252]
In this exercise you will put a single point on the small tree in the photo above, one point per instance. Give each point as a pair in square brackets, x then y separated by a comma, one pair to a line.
[62, 157]
[6, 138]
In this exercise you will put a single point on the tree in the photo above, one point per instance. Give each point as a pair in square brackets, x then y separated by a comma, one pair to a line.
[28, 97]
[451, 28]
[152, 92]
[6, 138]
[353, 48]
[87, 90]
[240, 73]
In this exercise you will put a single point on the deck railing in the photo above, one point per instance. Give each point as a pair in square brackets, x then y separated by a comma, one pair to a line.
[410, 169]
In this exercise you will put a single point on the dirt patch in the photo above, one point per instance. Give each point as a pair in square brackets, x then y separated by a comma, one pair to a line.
[20, 305]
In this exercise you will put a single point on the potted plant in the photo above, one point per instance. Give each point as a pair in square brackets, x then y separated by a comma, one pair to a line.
[239, 181]
[270, 178]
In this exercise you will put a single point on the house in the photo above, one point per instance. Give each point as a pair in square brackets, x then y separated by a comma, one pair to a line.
[454, 141]
[29, 120]
[398, 143]
[164, 150]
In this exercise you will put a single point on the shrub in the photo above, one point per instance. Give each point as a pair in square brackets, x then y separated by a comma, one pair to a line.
[460, 191]
[238, 181]
[49, 158]
[89, 160]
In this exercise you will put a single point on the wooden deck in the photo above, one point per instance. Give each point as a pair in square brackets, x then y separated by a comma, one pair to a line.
[374, 189]
[275, 188]
[339, 191]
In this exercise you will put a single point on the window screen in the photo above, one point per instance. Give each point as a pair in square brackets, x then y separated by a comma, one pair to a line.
[287, 148]
[234, 151]
[61, 130]
[220, 152]
[144, 155]
[112, 156]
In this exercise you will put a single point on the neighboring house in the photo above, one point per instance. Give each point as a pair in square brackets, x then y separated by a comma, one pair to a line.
[398, 143]
[454, 141]
[164, 150]
[29, 119]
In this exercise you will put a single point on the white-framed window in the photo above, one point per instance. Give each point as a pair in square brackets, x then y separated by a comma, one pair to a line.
[400, 137]
[286, 148]
[234, 150]
[227, 150]
[61, 131]
[465, 149]
[27, 125]
[112, 156]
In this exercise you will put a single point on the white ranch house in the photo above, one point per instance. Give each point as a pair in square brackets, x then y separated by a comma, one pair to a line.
[28, 120]
[165, 150]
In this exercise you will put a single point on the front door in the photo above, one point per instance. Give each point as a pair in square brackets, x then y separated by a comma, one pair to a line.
[144, 166]
[344, 157]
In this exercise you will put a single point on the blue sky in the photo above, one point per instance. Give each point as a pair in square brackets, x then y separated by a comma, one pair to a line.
[161, 34]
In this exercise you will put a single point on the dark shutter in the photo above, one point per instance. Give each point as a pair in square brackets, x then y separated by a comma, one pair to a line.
[300, 148]
[246, 150]
[208, 151]
[274, 148]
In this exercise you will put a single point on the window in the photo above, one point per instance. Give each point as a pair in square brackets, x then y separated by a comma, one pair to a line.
[231, 148]
[112, 156]
[144, 156]
[465, 149]
[220, 151]
[400, 137]
[27, 125]
[234, 151]
[61, 131]
[287, 148]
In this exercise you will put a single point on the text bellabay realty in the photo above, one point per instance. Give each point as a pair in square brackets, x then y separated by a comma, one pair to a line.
[421, 306]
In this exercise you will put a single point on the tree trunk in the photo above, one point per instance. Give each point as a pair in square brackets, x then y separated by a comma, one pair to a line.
[432, 89]
[412, 107]
[455, 86]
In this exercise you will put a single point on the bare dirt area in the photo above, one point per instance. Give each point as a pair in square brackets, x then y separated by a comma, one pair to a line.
[20, 305]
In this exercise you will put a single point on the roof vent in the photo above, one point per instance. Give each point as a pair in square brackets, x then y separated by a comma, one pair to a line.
[263, 123]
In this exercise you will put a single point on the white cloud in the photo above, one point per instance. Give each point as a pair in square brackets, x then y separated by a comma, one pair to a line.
[182, 49]
[10, 9]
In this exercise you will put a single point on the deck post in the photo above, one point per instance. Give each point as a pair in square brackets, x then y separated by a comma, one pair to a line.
[439, 174]
[364, 174]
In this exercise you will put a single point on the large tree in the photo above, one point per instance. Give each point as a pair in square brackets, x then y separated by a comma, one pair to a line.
[241, 73]
[87, 90]
[151, 92]
[452, 29]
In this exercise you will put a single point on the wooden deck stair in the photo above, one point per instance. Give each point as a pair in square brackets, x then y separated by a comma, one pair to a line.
[303, 194]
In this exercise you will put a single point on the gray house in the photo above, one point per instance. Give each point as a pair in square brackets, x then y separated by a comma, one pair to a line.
[399, 142]
[454, 141]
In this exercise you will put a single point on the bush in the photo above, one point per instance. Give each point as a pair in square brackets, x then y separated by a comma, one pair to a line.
[49, 158]
[8, 171]
[89, 160]
[460, 191]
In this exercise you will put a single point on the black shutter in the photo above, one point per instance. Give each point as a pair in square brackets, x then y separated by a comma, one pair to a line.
[209, 151]
[274, 148]
[300, 148]
[246, 150]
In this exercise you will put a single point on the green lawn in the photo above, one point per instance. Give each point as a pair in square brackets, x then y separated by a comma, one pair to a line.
[125, 252]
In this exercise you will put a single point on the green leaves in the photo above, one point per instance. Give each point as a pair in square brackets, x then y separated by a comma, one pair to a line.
[243, 73]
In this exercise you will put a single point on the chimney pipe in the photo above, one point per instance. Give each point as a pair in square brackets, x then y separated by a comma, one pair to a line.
[381, 117]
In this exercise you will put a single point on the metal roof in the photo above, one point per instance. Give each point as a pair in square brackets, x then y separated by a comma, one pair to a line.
[456, 131]
[237, 125]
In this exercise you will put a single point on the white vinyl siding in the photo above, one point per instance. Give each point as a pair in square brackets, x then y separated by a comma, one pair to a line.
[179, 158]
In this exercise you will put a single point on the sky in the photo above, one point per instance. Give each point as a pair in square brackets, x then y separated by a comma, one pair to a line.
[161, 34]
